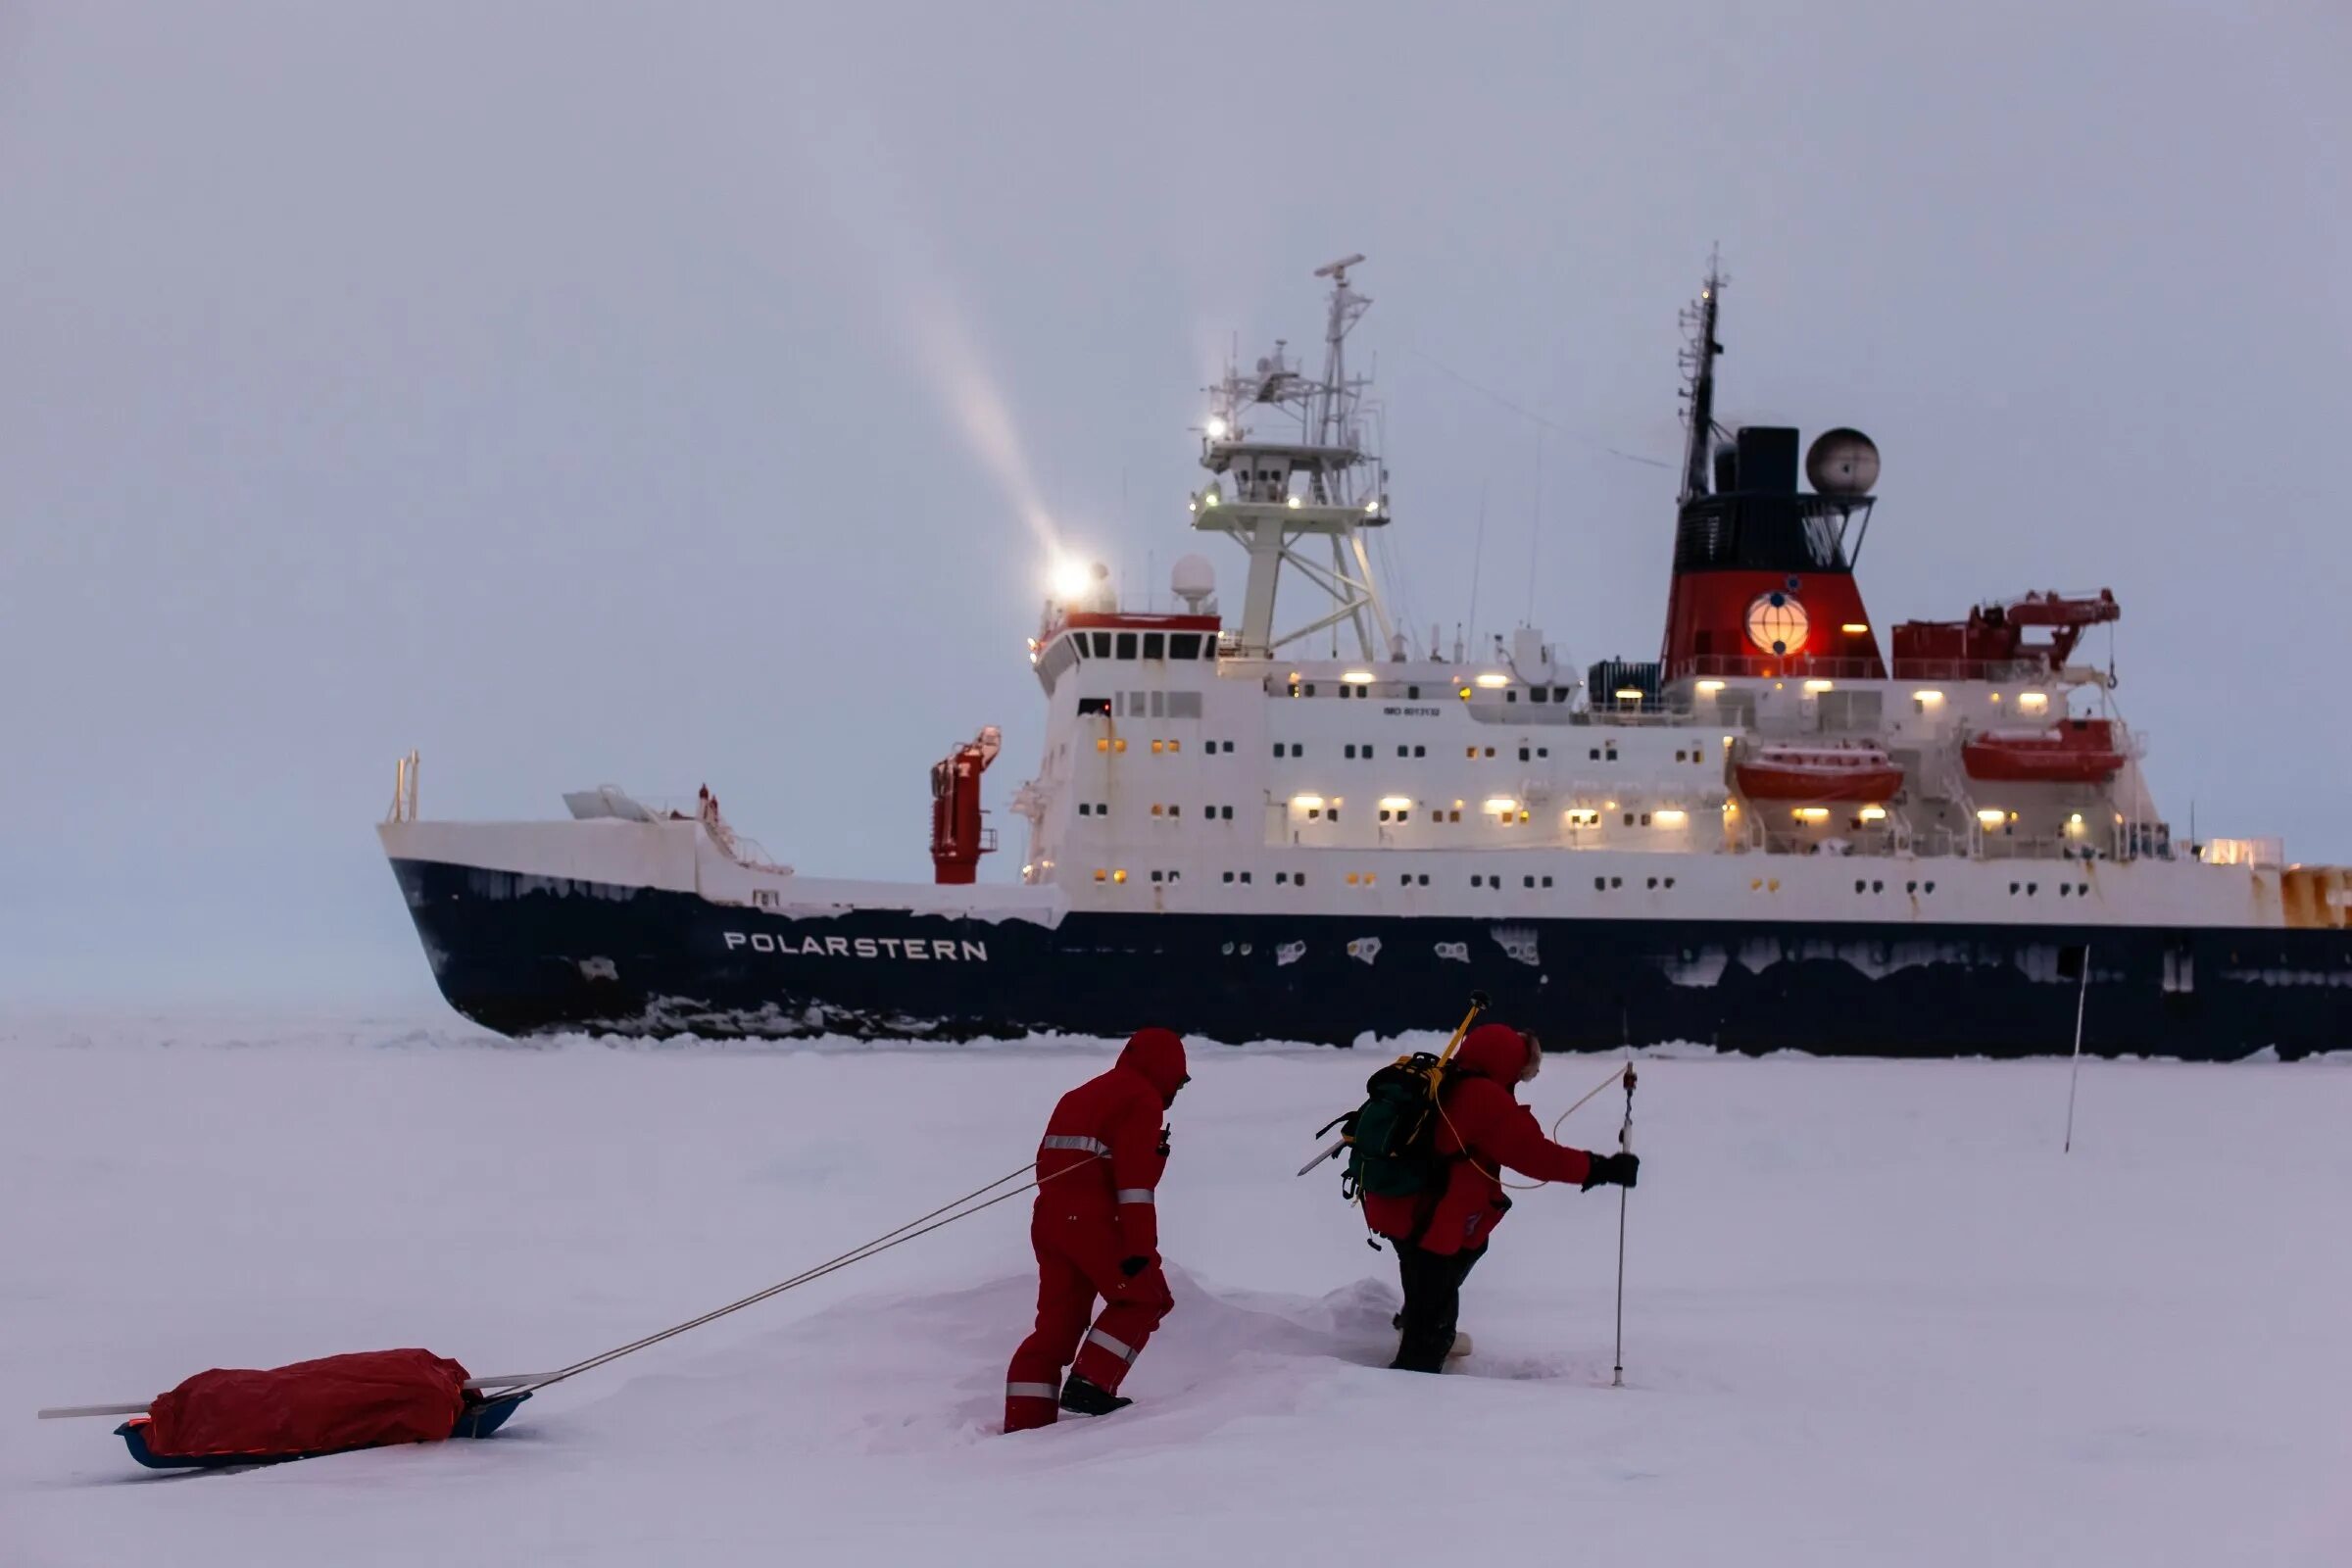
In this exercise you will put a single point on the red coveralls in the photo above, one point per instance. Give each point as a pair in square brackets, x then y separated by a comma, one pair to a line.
[1099, 1165]
[1440, 1236]
[1484, 1132]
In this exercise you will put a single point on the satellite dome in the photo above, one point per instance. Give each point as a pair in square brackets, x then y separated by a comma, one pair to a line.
[1842, 463]
[1193, 580]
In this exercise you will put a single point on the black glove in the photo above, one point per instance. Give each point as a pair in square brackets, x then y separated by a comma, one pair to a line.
[1613, 1170]
[1132, 1266]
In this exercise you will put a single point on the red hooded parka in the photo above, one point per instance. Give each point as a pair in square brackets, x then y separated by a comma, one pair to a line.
[1483, 1130]
[1099, 1169]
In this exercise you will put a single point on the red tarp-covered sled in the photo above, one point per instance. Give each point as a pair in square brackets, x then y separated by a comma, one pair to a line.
[332, 1406]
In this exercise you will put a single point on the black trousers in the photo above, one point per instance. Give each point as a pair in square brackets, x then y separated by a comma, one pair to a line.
[1432, 1301]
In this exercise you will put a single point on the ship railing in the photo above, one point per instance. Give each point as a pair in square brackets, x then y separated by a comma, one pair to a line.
[1762, 667]
[1765, 666]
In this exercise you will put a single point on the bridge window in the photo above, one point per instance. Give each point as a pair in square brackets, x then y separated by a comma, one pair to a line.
[1126, 645]
[1156, 646]
[1087, 706]
[1184, 645]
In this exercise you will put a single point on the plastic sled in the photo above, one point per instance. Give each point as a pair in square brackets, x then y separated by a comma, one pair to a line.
[477, 1420]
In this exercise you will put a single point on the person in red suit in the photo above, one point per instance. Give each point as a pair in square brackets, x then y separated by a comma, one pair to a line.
[1096, 1232]
[1481, 1132]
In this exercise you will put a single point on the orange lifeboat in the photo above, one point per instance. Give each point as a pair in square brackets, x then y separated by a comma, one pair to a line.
[1821, 773]
[2077, 751]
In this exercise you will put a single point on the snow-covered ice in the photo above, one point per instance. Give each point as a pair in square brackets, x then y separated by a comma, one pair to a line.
[1874, 1315]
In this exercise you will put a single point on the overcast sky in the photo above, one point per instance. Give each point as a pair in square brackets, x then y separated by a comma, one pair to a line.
[668, 393]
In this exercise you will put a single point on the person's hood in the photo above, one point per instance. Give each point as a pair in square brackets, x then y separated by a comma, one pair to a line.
[1494, 1051]
[1158, 1054]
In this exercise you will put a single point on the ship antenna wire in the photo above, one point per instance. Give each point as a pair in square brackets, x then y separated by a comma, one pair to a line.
[1535, 532]
[1478, 553]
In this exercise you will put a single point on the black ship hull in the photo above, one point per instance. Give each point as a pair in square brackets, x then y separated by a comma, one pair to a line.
[602, 959]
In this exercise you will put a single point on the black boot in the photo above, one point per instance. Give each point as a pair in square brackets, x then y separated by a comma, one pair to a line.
[1081, 1397]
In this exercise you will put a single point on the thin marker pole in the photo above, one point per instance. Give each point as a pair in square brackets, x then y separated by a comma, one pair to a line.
[2074, 1074]
[1625, 1146]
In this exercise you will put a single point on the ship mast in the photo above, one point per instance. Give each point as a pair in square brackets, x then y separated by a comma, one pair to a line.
[1276, 493]
[1698, 364]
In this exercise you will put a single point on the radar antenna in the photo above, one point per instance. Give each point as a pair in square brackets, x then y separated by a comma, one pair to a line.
[1274, 493]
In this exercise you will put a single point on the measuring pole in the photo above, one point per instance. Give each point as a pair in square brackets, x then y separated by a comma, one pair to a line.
[1625, 1146]
[2074, 1074]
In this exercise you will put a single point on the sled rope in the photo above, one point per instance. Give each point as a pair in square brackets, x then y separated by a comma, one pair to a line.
[920, 1225]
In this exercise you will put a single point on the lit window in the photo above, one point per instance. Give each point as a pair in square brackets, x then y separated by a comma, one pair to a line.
[1175, 745]
[1470, 752]
[1101, 875]
[1103, 743]
[1351, 879]
[1120, 745]
[1119, 876]
[1157, 808]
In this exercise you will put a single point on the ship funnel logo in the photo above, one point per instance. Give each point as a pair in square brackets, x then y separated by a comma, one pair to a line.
[1776, 623]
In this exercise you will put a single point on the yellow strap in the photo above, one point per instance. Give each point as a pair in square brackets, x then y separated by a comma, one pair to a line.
[1460, 1030]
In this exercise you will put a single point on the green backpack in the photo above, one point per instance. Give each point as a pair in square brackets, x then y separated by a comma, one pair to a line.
[1392, 1137]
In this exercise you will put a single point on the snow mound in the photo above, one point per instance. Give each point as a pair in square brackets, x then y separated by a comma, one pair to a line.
[892, 1374]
